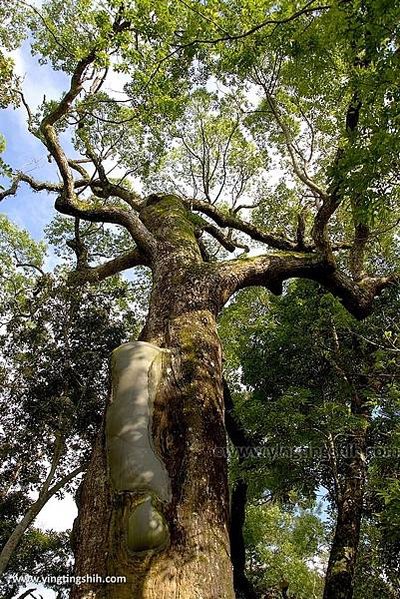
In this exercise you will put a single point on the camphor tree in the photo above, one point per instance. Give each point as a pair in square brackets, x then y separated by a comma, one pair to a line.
[323, 77]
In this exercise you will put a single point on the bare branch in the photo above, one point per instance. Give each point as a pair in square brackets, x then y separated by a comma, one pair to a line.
[229, 220]
[30, 265]
[127, 219]
[226, 242]
[112, 267]
[11, 191]
[320, 232]
[301, 228]
[34, 184]
[77, 166]
[28, 112]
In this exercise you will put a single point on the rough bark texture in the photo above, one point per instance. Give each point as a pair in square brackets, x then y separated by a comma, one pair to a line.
[339, 580]
[188, 433]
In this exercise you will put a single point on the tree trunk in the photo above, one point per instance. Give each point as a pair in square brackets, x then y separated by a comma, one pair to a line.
[188, 435]
[46, 493]
[243, 587]
[339, 580]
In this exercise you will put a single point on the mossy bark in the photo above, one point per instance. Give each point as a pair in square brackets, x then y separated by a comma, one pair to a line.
[188, 434]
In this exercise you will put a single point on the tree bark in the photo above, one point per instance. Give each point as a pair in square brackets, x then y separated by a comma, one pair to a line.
[188, 434]
[339, 580]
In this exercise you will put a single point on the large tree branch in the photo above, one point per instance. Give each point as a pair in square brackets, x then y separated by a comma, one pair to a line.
[67, 202]
[320, 233]
[229, 220]
[98, 187]
[33, 183]
[272, 270]
[106, 189]
[111, 267]
[127, 219]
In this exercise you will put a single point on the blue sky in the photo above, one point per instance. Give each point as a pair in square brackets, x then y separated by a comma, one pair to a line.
[27, 209]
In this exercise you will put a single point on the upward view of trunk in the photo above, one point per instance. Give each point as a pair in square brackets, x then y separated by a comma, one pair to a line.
[186, 432]
[339, 580]
[188, 435]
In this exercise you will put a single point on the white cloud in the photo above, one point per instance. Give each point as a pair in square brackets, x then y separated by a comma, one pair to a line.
[38, 80]
[115, 81]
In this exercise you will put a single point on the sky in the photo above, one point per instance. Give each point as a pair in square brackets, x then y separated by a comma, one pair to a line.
[27, 209]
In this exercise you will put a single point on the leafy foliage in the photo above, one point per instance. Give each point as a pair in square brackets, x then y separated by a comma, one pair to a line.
[55, 343]
[300, 359]
[281, 549]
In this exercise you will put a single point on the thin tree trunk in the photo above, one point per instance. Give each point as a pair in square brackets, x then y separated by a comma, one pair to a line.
[45, 494]
[339, 580]
[238, 437]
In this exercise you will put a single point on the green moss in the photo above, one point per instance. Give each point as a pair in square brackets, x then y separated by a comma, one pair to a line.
[197, 220]
[169, 211]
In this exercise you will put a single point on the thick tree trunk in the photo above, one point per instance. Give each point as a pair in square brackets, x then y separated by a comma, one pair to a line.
[188, 435]
[339, 581]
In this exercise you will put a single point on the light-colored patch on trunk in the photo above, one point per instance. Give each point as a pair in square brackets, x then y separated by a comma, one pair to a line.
[146, 528]
[134, 465]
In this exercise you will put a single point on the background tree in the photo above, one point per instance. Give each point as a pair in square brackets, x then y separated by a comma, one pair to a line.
[281, 547]
[55, 343]
[305, 362]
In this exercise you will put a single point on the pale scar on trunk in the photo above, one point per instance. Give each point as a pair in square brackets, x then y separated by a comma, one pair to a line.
[134, 465]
